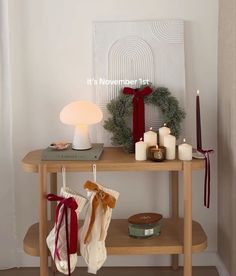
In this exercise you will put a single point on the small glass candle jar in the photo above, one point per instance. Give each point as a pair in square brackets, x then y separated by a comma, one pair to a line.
[157, 153]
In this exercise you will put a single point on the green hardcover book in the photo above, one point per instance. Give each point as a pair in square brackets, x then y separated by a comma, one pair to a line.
[69, 154]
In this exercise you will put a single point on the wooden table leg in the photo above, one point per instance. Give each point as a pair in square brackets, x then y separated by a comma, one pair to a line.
[53, 190]
[187, 218]
[174, 182]
[43, 221]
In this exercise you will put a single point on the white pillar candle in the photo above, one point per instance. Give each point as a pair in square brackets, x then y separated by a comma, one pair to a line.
[185, 151]
[140, 150]
[169, 143]
[163, 131]
[150, 137]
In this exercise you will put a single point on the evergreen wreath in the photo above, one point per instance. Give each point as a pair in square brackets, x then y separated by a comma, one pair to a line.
[121, 110]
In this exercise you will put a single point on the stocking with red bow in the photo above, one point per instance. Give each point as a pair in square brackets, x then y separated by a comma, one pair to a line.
[62, 240]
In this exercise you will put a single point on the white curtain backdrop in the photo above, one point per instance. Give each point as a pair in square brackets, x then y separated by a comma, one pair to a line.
[7, 208]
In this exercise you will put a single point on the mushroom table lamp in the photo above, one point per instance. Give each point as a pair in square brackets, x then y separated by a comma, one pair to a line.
[81, 114]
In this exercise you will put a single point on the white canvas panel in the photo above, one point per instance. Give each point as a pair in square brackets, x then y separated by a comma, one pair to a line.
[138, 50]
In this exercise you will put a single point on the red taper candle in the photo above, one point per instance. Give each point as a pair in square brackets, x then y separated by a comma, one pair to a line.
[198, 122]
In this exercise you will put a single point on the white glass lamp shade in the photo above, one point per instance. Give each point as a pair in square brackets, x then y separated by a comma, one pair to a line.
[81, 114]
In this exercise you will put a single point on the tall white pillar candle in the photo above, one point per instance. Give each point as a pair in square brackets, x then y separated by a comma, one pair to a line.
[185, 151]
[140, 150]
[150, 137]
[163, 131]
[169, 143]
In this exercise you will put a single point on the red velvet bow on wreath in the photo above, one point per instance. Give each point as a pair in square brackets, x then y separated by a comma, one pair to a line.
[138, 110]
[71, 242]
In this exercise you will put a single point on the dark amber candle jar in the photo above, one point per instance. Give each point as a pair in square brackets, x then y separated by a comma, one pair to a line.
[157, 153]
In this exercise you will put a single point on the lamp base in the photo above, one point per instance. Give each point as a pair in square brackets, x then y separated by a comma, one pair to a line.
[79, 149]
[81, 139]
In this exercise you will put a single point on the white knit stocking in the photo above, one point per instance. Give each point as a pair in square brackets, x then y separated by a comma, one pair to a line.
[62, 263]
[93, 250]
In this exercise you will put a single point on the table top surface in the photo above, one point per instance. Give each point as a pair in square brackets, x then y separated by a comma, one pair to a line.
[112, 159]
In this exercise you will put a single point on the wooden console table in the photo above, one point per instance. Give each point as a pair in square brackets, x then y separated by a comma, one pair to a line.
[179, 236]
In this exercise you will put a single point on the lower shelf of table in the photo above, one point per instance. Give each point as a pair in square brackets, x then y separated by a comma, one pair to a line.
[118, 241]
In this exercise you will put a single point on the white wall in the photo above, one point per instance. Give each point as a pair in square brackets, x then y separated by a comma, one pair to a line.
[227, 135]
[51, 43]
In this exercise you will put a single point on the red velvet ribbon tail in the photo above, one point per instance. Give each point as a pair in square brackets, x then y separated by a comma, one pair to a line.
[67, 241]
[205, 183]
[141, 110]
[208, 181]
[57, 230]
[58, 224]
[73, 232]
[138, 118]
[135, 120]
[141, 117]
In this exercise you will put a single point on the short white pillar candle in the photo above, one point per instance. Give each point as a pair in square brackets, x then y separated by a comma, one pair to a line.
[170, 143]
[163, 131]
[150, 137]
[185, 151]
[140, 150]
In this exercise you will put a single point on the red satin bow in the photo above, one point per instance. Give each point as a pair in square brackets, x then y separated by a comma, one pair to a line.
[207, 181]
[65, 204]
[138, 110]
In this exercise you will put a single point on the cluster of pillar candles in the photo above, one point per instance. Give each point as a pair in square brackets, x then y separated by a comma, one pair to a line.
[148, 148]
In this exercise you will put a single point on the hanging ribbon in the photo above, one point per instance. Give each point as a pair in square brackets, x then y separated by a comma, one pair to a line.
[103, 198]
[71, 242]
[207, 181]
[138, 110]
